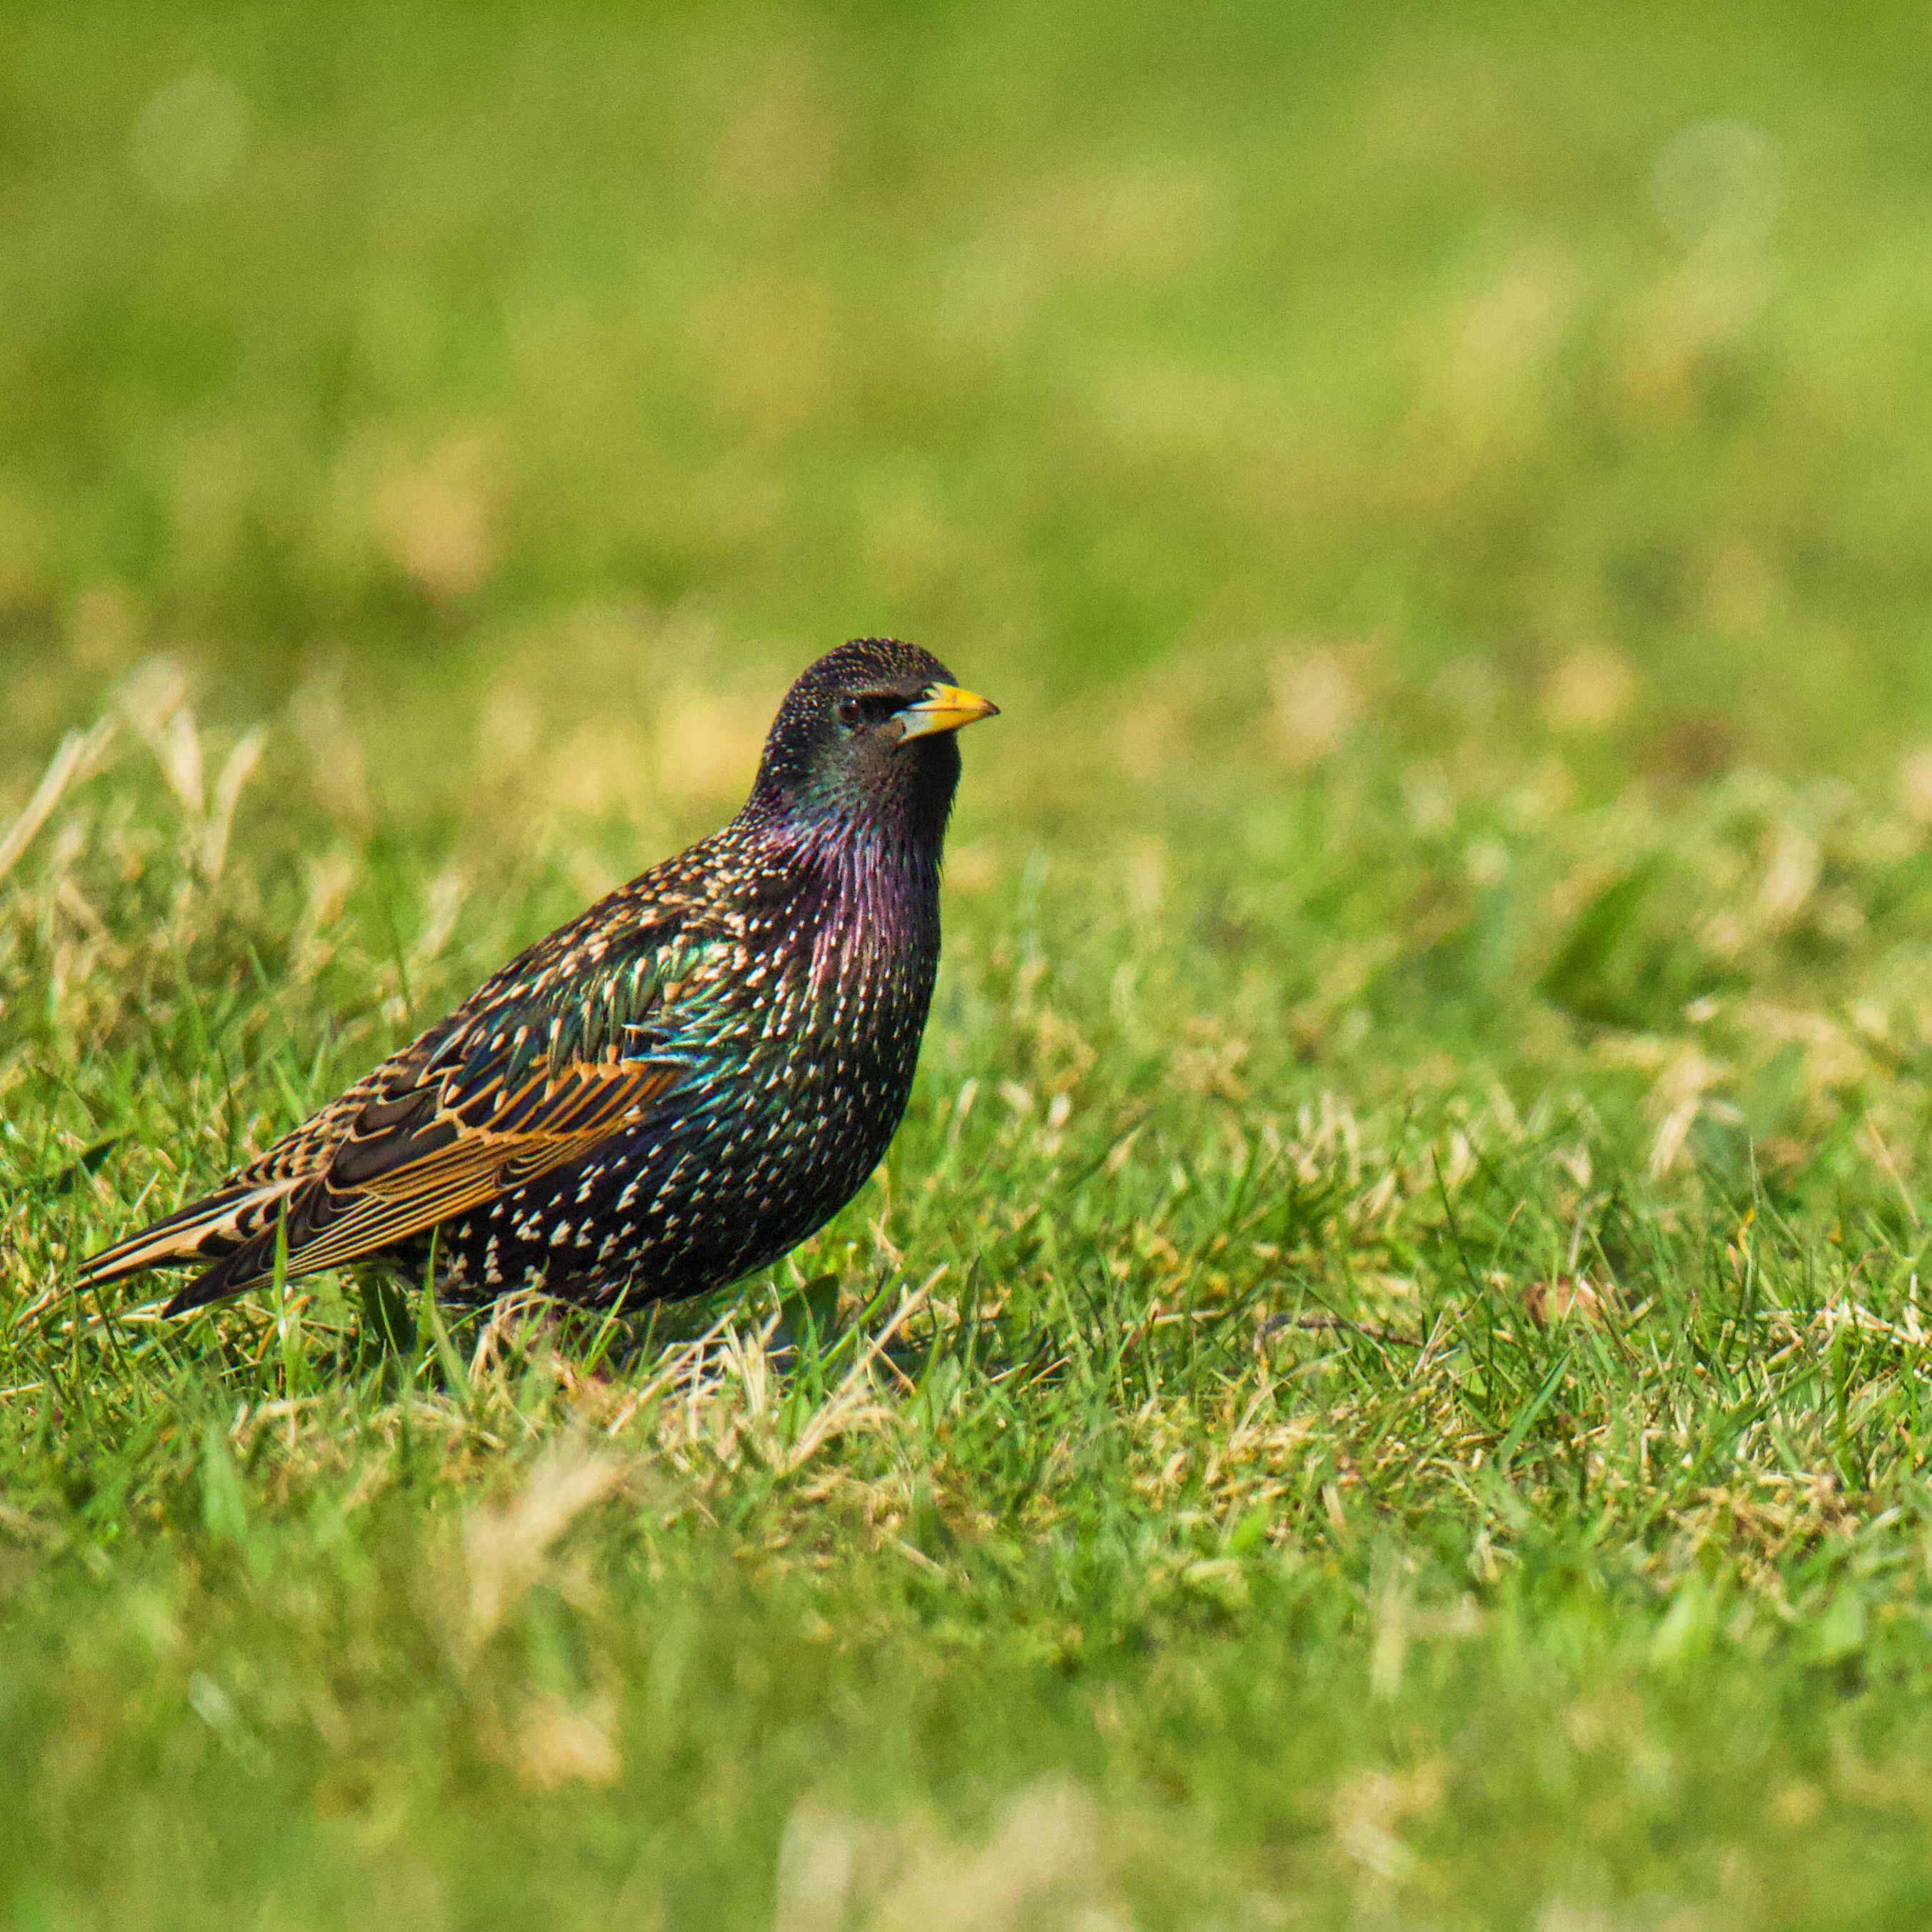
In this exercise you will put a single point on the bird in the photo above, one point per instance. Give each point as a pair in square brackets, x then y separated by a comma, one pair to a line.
[674, 1089]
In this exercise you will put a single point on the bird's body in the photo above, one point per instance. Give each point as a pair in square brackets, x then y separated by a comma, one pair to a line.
[674, 1089]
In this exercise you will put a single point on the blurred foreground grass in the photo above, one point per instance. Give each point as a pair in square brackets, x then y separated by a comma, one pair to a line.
[1381, 1383]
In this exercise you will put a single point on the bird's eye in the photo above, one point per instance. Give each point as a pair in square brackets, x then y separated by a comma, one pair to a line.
[865, 707]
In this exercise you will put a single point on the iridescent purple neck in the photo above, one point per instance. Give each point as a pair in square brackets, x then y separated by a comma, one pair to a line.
[878, 897]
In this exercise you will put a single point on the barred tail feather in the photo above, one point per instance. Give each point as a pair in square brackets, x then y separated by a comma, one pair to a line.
[219, 1228]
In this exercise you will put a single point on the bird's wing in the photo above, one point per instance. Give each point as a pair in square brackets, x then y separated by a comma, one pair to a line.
[555, 1054]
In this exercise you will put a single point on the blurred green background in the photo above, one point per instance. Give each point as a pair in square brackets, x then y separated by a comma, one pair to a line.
[1532, 376]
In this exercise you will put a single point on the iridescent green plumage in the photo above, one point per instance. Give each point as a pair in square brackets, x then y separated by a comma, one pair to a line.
[675, 1088]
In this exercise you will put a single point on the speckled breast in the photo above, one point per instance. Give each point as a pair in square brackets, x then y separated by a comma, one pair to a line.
[781, 1119]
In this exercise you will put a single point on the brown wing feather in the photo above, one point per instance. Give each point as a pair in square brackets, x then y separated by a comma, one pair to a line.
[405, 1149]
[527, 1074]
[470, 1160]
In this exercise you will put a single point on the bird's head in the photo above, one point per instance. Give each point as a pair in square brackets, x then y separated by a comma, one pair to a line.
[866, 737]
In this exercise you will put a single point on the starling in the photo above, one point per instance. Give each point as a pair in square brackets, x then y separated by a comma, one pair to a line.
[673, 1090]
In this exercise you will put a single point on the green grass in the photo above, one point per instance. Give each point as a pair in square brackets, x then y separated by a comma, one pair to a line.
[1382, 1382]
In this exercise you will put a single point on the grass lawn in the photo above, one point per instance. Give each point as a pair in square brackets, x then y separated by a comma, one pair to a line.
[1381, 1383]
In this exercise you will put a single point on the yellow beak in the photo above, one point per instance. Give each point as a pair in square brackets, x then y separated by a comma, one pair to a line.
[944, 707]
